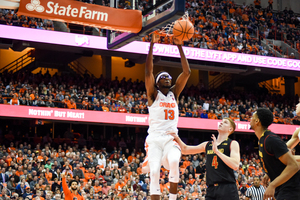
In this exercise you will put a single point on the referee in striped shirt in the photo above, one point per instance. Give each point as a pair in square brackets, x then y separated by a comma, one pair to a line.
[255, 192]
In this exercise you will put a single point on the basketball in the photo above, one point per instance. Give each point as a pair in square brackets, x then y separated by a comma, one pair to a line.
[183, 30]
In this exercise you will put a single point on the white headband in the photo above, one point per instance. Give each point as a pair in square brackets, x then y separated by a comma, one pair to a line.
[159, 75]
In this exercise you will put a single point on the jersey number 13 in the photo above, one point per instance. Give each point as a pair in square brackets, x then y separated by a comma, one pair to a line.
[169, 114]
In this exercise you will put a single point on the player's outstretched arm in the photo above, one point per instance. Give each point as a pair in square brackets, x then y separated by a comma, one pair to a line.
[149, 77]
[234, 159]
[294, 139]
[290, 170]
[186, 149]
[186, 71]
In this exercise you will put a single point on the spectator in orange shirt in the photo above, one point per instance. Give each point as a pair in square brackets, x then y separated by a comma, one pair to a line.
[119, 185]
[8, 159]
[210, 44]
[234, 48]
[139, 169]
[14, 100]
[191, 179]
[66, 100]
[195, 193]
[105, 108]
[23, 89]
[121, 109]
[97, 186]
[231, 11]
[224, 16]
[280, 119]
[258, 171]
[123, 194]
[245, 18]
[212, 115]
[19, 172]
[163, 185]
[201, 17]
[70, 194]
[71, 104]
[186, 163]
[270, 4]
[131, 157]
[222, 100]
[257, 4]
[11, 148]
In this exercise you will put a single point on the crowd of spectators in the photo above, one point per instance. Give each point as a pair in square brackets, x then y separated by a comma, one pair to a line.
[219, 25]
[127, 96]
[32, 170]
[226, 26]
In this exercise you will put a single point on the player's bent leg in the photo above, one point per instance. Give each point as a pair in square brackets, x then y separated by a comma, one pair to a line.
[154, 179]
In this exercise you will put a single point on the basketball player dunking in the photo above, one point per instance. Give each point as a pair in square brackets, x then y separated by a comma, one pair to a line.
[163, 117]
[223, 157]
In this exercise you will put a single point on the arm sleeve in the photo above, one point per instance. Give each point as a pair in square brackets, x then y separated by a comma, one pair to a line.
[274, 145]
[65, 187]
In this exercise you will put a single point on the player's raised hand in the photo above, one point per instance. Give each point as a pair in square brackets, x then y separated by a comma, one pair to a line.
[155, 38]
[63, 175]
[177, 41]
[214, 143]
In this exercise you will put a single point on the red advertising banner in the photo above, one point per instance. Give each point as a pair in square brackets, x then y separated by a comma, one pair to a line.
[124, 118]
[83, 13]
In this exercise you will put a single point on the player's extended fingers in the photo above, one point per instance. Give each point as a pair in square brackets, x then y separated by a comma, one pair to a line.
[268, 197]
[213, 137]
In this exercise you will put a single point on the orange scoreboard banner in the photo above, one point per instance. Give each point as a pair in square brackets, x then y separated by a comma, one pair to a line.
[82, 13]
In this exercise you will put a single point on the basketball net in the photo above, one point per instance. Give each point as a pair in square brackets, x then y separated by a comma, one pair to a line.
[167, 31]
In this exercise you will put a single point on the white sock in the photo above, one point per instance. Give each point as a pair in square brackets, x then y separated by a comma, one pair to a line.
[173, 196]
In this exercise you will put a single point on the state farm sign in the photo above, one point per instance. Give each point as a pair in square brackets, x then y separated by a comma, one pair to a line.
[83, 13]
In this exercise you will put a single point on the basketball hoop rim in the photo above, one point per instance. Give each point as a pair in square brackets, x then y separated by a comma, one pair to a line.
[167, 31]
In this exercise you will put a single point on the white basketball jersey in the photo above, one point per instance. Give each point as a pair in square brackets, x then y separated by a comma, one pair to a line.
[163, 114]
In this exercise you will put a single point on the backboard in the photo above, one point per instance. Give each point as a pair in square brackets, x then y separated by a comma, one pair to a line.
[152, 20]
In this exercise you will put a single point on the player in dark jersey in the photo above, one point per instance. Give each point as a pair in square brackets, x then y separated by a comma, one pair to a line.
[223, 157]
[277, 160]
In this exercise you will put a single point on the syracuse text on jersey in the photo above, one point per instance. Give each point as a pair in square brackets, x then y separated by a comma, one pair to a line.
[167, 105]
